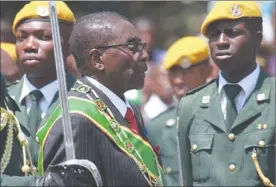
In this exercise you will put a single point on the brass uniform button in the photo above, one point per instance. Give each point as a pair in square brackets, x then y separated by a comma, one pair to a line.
[231, 136]
[261, 143]
[194, 147]
[36, 139]
[25, 169]
[168, 170]
[232, 167]
[34, 169]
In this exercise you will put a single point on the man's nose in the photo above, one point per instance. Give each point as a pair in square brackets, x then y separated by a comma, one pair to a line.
[177, 80]
[141, 56]
[223, 41]
[30, 45]
[144, 56]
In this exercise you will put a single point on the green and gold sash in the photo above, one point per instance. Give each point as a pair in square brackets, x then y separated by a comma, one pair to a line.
[130, 143]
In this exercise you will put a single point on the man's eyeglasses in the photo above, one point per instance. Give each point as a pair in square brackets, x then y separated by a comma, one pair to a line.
[133, 46]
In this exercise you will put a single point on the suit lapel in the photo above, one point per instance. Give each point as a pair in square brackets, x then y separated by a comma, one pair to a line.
[107, 101]
[16, 90]
[15, 93]
[139, 120]
[22, 116]
[252, 107]
[210, 103]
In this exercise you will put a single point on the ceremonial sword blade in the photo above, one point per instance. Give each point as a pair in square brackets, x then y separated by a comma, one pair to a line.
[66, 121]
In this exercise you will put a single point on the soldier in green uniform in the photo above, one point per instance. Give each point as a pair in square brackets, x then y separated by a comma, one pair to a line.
[187, 63]
[36, 93]
[12, 138]
[227, 127]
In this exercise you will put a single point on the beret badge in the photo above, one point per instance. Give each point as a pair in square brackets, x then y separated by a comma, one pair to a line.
[42, 11]
[236, 11]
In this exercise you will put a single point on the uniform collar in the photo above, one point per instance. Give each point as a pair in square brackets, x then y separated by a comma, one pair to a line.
[248, 83]
[48, 90]
[117, 101]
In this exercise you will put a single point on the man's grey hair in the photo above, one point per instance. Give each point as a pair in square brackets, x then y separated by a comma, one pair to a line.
[91, 31]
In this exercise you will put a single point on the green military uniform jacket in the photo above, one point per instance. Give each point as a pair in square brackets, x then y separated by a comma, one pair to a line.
[209, 155]
[14, 174]
[5, 98]
[7, 102]
[162, 134]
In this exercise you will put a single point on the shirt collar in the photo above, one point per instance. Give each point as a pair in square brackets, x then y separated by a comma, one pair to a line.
[48, 91]
[27, 88]
[248, 83]
[117, 101]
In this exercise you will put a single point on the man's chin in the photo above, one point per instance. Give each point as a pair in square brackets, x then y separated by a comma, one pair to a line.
[137, 85]
[36, 75]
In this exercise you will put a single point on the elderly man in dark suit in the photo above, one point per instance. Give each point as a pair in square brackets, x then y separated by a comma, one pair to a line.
[107, 130]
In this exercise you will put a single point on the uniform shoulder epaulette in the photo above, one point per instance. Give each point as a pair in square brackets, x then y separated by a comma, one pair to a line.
[200, 87]
[81, 87]
[8, 84]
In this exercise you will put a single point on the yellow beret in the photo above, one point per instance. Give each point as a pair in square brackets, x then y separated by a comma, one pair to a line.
[40, 9]
[10, 49]
[185, 52]
[230, 10]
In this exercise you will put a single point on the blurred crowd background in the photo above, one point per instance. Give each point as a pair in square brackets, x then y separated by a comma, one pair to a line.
[160, 24]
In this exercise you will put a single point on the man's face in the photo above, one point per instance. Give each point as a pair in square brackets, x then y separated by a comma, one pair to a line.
[183, 80]
[35, 49]
[9, 67]
[125, 66]
[6, 31]
[231, 45]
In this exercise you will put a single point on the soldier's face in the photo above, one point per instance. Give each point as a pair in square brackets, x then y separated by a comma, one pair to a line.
[124, 66]
[231, 45]
[9, 67]
[183, 80]
[35, 49]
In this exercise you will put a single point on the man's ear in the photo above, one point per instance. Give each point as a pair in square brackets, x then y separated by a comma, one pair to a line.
[95, 59]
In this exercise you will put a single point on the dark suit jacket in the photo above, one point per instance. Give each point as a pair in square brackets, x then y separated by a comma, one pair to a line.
[13, 172]
[115, 167]
[212, 157]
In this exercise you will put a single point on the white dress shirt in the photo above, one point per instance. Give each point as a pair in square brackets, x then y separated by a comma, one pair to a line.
[48, 92]
[117, 101]
[247, 84]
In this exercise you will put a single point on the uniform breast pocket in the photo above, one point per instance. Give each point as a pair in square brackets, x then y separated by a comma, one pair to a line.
[264, 144]
[201, 150]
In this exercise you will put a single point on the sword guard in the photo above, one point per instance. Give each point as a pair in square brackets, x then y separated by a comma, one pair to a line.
[73, 172]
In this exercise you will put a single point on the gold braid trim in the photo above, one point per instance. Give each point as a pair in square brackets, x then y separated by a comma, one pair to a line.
[8, 119]
[9, 142]
[265, 180]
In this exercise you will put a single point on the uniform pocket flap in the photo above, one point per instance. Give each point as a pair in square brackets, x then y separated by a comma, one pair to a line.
[201, 142]
[246, 146]
[259, 139]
